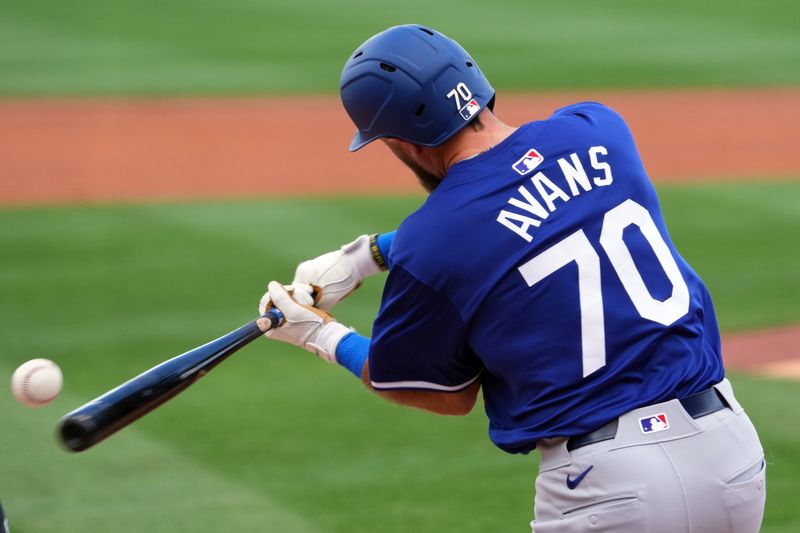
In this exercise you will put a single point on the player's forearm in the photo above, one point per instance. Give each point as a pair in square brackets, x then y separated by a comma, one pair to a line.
[442, 403]
[352, 353]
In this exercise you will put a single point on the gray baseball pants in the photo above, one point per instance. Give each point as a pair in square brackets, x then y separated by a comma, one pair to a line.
[699, 475]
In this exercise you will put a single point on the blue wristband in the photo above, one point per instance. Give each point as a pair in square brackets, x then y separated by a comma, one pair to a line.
[352, 352]
[384, 241]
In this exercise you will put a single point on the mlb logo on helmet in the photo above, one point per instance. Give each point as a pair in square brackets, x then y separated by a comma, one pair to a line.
[469, 110]
[528, 162]
[654, 423]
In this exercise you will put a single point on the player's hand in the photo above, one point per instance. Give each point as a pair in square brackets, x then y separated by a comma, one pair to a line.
[303, 293]
[336, 274]
[304, 326]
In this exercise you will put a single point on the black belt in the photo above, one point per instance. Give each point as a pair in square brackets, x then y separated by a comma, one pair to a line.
[697, 405]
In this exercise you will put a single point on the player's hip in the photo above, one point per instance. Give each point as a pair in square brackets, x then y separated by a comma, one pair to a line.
[707, 468]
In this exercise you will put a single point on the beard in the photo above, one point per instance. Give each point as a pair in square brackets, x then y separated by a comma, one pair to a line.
[428, 180]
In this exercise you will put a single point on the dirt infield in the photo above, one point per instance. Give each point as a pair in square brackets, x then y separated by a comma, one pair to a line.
[772, 352]
[103, 150]
[90, 150]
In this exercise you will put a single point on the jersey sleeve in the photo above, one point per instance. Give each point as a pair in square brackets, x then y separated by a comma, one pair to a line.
[419, 340]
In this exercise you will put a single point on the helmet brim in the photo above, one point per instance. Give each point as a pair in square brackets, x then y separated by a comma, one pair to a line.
[360, 141]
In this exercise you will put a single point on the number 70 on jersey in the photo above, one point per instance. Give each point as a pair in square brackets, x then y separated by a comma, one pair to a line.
[576, 247]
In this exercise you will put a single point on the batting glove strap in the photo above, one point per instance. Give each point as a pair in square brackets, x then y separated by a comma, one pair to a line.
[362, 256]
[326, 340]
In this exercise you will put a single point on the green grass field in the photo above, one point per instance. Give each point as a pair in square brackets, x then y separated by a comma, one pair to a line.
[274, 439]
[91, 47]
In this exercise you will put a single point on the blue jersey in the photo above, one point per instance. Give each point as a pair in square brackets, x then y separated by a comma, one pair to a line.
[543, 268]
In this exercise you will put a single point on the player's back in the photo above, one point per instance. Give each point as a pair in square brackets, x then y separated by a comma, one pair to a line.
[552, 249]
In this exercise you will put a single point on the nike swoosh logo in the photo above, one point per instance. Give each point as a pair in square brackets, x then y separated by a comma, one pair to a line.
[573, 483]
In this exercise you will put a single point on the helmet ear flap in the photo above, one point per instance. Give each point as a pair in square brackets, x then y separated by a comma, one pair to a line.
[413, 83]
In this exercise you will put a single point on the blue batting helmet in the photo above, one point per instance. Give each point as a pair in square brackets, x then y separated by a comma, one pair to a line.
[412, 83]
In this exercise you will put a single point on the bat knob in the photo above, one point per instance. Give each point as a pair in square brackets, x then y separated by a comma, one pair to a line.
[270, 320]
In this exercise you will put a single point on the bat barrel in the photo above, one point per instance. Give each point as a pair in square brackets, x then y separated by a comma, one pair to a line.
[81, 430]
[92, 422]
[76, 432]
[104, 416]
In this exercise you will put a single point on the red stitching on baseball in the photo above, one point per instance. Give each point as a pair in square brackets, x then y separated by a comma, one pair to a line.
[26, 388]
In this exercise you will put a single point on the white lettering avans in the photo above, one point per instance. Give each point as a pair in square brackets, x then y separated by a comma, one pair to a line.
[537, 205]
[531, 204]
[506, 218]
[541, 181]
[600, 165]
[574, 174]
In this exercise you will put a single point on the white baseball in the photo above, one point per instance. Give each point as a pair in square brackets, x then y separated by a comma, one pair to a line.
[36, 383]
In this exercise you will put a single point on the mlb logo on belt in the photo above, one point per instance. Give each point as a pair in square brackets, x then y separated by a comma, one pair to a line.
[528, 162]
[469, 110]
[654, 423]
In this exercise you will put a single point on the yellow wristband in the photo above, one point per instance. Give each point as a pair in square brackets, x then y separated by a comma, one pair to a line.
[376, 252]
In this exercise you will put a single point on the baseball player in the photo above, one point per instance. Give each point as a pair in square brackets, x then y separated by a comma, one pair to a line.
[539, 270]
[3, 521]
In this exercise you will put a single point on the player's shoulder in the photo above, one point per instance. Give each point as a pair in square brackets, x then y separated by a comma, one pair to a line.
[590, 121]
[418, 233]
[589, 114]
[430, 242]
[587, 109]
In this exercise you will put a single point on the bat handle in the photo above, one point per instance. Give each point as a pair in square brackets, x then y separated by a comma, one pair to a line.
[274, 318]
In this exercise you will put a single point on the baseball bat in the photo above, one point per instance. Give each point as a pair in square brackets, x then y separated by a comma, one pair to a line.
[92, 422]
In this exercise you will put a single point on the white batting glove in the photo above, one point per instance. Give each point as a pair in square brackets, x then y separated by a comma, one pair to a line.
[304, 326]
[336, 274]
[303, 293]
